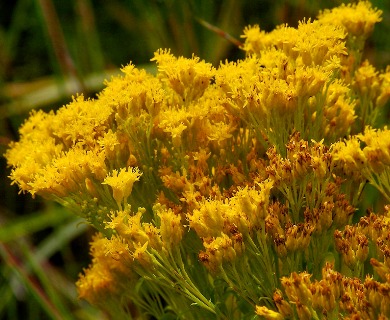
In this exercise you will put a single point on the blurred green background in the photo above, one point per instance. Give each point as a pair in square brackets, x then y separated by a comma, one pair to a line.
[50, 50]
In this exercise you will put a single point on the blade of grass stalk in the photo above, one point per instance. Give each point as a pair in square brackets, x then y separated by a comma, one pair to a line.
[31, 223]
[153, 19]
[20, 14]
[47, 95]
[30, 283]
[56, 241]
[63, 58]
[119, 12]
[177, 28]
[229, 19]
[220, 32]
[60, 238]
[146, 18]
[90, 36]
[58, 282]
[6, 293]
[12, 309]
[46, 92]
[42, 272]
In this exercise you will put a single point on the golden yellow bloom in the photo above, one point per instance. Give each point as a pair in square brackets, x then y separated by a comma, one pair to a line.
[377, 148]
[122, 183]
[96, 285]
[110, 144]
[255, 39]
[348, 157]
[132, 94]
[253, 203]
[220, 132]
[128, 225]
[352, 245]
[366, 80]
[308, 81]
[141, 255]
[103, 281]
[171, 228]
[318, 42]
[339, 110]
[268, 314]
[218, 250]
[313, 42]
[187, 77]
[81, 121]
[385, 88]
[358, 18]
[207, 221]
[297, 287]
[283, 306]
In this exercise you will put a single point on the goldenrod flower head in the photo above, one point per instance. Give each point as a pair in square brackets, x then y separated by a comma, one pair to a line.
[358, 18]
[187, 77]
[36, 148]
[175, 181]
[208, 219]
[109, 271]
[352, 246]
[133, 94]
[255, 39]
[339, 110]
[283, 38]
[348, 157]
[312, 42]
[268, 313]
[141, 255]
[117, 255]
[220, 132]
[121, 183]
[298, 236]
[96, 284]
[283, 306]
[366, 81]
[154, 237]
[377, 148]
[317, 42]
[81, 121]
[129, 226]
[384, 95]
[254, 204]
[61, 175]
[171, 228]
[218, 250]
[297, 287]
[308, 81]
[110, 143]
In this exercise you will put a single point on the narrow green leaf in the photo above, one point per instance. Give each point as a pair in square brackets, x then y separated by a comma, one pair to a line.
[32, 223]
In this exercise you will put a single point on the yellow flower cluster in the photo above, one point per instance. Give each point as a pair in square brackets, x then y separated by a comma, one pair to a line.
[230, 191]
[358, 19]
[366, 156]
[108, 275]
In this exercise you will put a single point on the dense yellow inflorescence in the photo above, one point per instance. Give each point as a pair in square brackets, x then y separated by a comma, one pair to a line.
[232, 191]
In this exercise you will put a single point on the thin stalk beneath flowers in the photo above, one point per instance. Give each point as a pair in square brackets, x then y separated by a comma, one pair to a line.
[182, 278]
[235, 286]
[262, 256]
